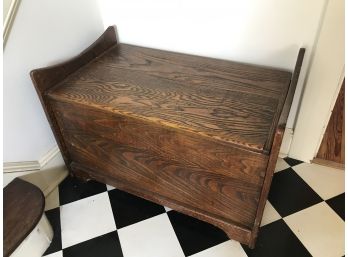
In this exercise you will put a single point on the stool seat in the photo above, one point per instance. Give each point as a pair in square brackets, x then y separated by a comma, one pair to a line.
[23, 208]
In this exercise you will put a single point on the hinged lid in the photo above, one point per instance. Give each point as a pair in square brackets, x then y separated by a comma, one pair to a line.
[228, 101]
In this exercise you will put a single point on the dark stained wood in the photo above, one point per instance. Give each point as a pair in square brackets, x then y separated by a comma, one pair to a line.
[277, 141]
[199, 135]
[45, 78]
[234, 231]
[332, 144]
[291, 90]
[228, 101]
[328, 163]
[284, 109]
[23, 208]
[267, 183]
[166, 161]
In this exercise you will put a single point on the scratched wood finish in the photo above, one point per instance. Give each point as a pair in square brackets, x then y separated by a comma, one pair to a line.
[277, 141]
[46, 78]
[23, 208]
[166, 161]
[199, 135]
[234, 231]
[229, 101]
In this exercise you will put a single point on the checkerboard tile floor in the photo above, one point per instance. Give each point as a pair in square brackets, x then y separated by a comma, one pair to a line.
[304, 216]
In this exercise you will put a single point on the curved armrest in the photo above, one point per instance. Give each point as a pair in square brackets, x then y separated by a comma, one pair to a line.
[46, 78]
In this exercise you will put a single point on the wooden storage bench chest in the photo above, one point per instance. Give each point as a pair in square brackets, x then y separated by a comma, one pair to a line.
[196, 134]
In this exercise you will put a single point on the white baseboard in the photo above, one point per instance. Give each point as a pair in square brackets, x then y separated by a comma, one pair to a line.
[50, 155]
[47, 180]
[287, 139]
[31, 165]
[46, 173]
[21, 166]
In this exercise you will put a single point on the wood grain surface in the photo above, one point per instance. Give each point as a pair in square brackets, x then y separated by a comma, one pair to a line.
[23, 208]
[229, 101]
[197, 134]
[48, 77]
[224, 180]
[233, 230]
[332, 145]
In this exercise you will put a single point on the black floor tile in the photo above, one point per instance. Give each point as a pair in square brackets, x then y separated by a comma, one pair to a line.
[289, 193]
[337, 204]
[72, 189]
[277, 240]
[195, 235]
[129, 209]
[292, 162]
[53, 217]
[107, 245]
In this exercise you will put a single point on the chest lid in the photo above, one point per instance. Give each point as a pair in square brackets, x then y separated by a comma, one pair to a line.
[228, 101]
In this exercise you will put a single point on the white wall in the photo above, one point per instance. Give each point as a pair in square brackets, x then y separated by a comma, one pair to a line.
[266, 32]
[43, 33]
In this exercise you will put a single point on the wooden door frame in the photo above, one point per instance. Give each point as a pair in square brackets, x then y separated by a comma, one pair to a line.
[322, 85]
[333, 140]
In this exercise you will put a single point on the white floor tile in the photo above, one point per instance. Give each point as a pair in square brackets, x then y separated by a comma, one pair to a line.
[52, 200]
[227, 249]
[269, 214]
[167, 208]
[108, 187]
[56, 254]
[281, 165]
[327, 182]
[86, 219]
[320, 230]
[154, 237]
